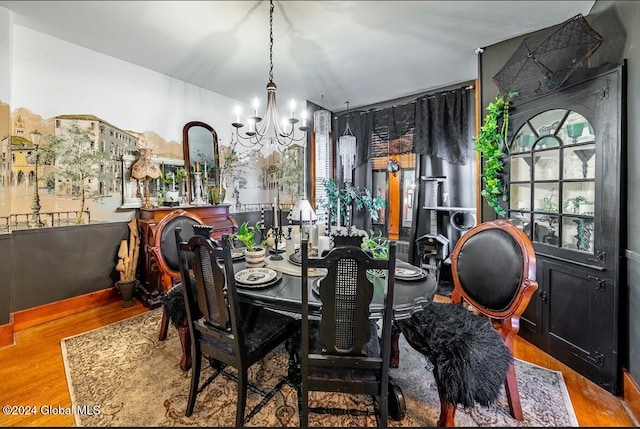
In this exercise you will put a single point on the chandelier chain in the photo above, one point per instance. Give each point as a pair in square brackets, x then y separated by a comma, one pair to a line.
[271, 41]
[269, 129]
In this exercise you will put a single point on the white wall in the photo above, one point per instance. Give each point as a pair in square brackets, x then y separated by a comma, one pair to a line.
[5, 56]
[52, 77]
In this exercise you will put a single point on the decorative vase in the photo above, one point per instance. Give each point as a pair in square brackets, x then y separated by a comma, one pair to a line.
[173, 196]
[214, 195]
[217, 194]
[127, 290]
[255, 258]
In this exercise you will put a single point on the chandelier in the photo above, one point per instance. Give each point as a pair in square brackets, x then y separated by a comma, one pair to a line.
[270, 130]
[347, 148]
[322, 126]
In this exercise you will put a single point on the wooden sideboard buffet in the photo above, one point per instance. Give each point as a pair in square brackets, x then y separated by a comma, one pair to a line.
[150, 288]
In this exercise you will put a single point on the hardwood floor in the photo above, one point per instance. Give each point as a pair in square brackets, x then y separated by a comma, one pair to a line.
[32, 373]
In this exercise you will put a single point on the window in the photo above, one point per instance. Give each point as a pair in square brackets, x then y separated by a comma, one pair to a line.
[323, 173]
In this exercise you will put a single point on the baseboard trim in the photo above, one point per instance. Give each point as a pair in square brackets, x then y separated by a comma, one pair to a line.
[30, 317]
[631, 393]
[6, 334]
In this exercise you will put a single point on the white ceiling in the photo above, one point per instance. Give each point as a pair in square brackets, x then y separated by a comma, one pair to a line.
[328, 52]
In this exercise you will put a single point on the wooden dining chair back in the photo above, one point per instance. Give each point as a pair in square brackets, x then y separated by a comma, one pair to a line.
[343, 350]
[493, 268]
[218, 329]
[165, 255]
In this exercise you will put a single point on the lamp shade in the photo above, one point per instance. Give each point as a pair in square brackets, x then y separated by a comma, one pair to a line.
[144, 166]
[302, 211]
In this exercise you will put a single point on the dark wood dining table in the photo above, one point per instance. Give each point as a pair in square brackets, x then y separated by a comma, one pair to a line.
[286, 295]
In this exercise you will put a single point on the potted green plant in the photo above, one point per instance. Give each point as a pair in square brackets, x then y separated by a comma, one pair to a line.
[181, 176]
[171, 195]
[254, 253]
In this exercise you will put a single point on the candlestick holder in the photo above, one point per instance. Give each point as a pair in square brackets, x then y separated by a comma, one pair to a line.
[197, 179]
[276, 250]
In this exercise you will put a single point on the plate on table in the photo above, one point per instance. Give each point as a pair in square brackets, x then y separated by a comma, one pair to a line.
[315, 287]
[409, 273]
[257, 277]
[295, 258]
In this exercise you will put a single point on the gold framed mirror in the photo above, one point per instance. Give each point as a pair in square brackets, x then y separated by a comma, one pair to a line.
[200, 149]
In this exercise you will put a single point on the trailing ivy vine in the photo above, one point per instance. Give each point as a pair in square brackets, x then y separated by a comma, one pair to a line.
[491, 144]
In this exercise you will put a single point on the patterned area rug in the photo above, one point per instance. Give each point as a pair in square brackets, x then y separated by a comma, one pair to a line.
[134, 380]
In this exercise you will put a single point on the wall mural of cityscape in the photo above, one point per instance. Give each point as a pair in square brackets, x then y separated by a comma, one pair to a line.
[72, 169]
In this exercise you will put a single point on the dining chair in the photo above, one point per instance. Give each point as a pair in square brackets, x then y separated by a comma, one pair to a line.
[165, 258]
[493, 267]
[342, 350]
[468, 356]
[224, 335]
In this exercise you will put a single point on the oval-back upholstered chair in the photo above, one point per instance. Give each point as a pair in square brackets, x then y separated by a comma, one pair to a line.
[167, 262]
[493, 267]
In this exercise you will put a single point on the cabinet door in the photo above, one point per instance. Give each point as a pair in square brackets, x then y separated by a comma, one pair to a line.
[581, 330]
[563, 179]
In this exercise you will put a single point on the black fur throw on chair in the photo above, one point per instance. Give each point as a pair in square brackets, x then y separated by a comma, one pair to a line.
[469, 357]
[173, 302]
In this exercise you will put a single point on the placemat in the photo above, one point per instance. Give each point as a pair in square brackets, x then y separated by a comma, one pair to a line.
[286, 267]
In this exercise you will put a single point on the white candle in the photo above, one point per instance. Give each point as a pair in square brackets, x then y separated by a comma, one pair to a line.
[275, 212]
[173, 183]
[338, 219]
[206, 175]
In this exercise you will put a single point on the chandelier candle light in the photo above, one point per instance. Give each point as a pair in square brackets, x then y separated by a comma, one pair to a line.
[281, 136]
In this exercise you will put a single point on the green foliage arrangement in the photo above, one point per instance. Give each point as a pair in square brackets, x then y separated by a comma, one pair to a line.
[350, 194]
[573, 204]
[491, 143]
[376, 244]
[246, 235]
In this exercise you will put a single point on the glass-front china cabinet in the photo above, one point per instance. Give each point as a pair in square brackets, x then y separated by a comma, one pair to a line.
[552, 179]
[564, 179]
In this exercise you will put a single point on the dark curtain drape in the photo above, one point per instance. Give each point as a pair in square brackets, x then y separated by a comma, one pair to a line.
[391, 123]
[442, 138]
[441, 126]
